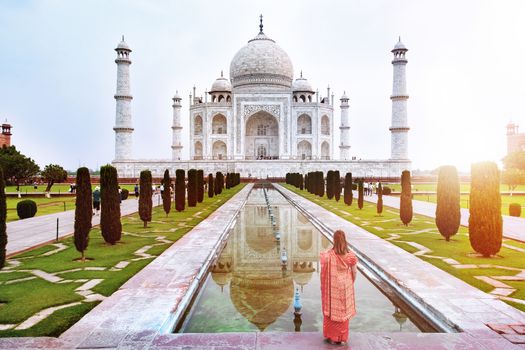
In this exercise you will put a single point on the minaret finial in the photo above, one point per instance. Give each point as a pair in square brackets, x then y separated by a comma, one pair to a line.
[122, 37]
[400, 38]
[261, 25]
[301, 73]
[221, 74]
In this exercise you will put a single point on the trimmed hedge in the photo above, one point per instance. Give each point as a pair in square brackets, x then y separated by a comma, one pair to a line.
[448, 212]
[110, 224]
[180, 190]
[145, 200]
[405, 206]
[515, 209]
[348, 195]
[485, 222]
[83, 211]
[192, 188]
[26, 209]
[211, 186]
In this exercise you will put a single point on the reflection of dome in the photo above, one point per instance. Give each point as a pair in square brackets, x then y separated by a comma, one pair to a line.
[221, 84]
[221, 278]
[262, 300]
[260, 239]
[302, 272]
[261, 61]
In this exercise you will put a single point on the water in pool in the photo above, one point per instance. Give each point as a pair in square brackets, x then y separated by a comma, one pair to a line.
[250, 289]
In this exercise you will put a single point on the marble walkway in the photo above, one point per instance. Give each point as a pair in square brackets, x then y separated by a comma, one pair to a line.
[29, 233]
[513, 227]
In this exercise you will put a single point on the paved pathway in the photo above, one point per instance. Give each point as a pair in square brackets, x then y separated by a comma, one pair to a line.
[28, 233]
[513, 227]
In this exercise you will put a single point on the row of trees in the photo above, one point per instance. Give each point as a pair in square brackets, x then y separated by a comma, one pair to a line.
[485, 220]
[19, 168]
[110, 224]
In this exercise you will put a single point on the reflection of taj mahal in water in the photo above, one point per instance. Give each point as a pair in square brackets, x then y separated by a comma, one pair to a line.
[261, 122]
[260, 289]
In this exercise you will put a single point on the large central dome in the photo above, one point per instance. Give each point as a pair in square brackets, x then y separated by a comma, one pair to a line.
[261, 62]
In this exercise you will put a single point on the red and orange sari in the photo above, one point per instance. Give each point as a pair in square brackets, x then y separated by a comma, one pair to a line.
[337, 294]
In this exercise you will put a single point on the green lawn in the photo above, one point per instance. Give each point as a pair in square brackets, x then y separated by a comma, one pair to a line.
[464, 201]
[458, 248]
[61, 188]
[23, 298]
[432, 187]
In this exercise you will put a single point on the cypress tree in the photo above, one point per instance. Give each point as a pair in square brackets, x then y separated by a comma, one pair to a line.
[145, 201]
[337, 185]
[301, 182]
[166, 195]
[211, 186]
[405, 206]
[110, 224]
[3, 215]
[321, 184]
[192, 188]
[360, 194]
[485, 222]
[348, 195]
[330, 184]
[83, 210]
[379, 199]
[448, 213]
[219, 182]
[180, 189]
[200, 185]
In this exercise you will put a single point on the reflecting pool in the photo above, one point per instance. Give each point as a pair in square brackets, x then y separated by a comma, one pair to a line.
[252, 287]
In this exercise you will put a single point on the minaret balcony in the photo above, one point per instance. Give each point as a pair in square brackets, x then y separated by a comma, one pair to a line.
[123, 97]
[399, 128]
[398, 97]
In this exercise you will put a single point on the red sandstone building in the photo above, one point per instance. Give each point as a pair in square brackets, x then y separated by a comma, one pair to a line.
[5, 137]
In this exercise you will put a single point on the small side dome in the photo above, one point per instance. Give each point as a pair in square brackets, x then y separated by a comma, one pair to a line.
[123, 45]
[221, 84]
[400, 46]
[302, 85]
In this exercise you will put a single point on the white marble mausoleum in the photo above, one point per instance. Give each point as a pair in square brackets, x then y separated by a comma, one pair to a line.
[261, 122]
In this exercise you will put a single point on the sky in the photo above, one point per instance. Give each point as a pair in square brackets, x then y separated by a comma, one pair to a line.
[465, 72]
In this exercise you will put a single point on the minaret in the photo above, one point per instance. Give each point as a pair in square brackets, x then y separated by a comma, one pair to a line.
[345, 129]
[177, 128]
[123, 126]
[399, 128]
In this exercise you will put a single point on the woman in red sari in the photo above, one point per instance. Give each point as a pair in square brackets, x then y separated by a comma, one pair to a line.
[338, 272]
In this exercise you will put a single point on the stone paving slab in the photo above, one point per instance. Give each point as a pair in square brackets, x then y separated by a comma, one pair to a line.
[149, 340]
[447, 296]
[28, 233]
[147, 301]
[513, 227]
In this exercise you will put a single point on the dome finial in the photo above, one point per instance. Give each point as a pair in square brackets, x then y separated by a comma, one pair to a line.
[261, 25]
[122, 37]
[301, 73]
[221, 74]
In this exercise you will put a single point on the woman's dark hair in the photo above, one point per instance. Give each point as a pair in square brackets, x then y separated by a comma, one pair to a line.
[340, 245]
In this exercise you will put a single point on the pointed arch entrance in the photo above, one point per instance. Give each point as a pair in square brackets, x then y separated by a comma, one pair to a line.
[261, 139]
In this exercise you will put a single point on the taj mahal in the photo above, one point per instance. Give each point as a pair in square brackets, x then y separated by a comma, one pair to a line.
[261, 122]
